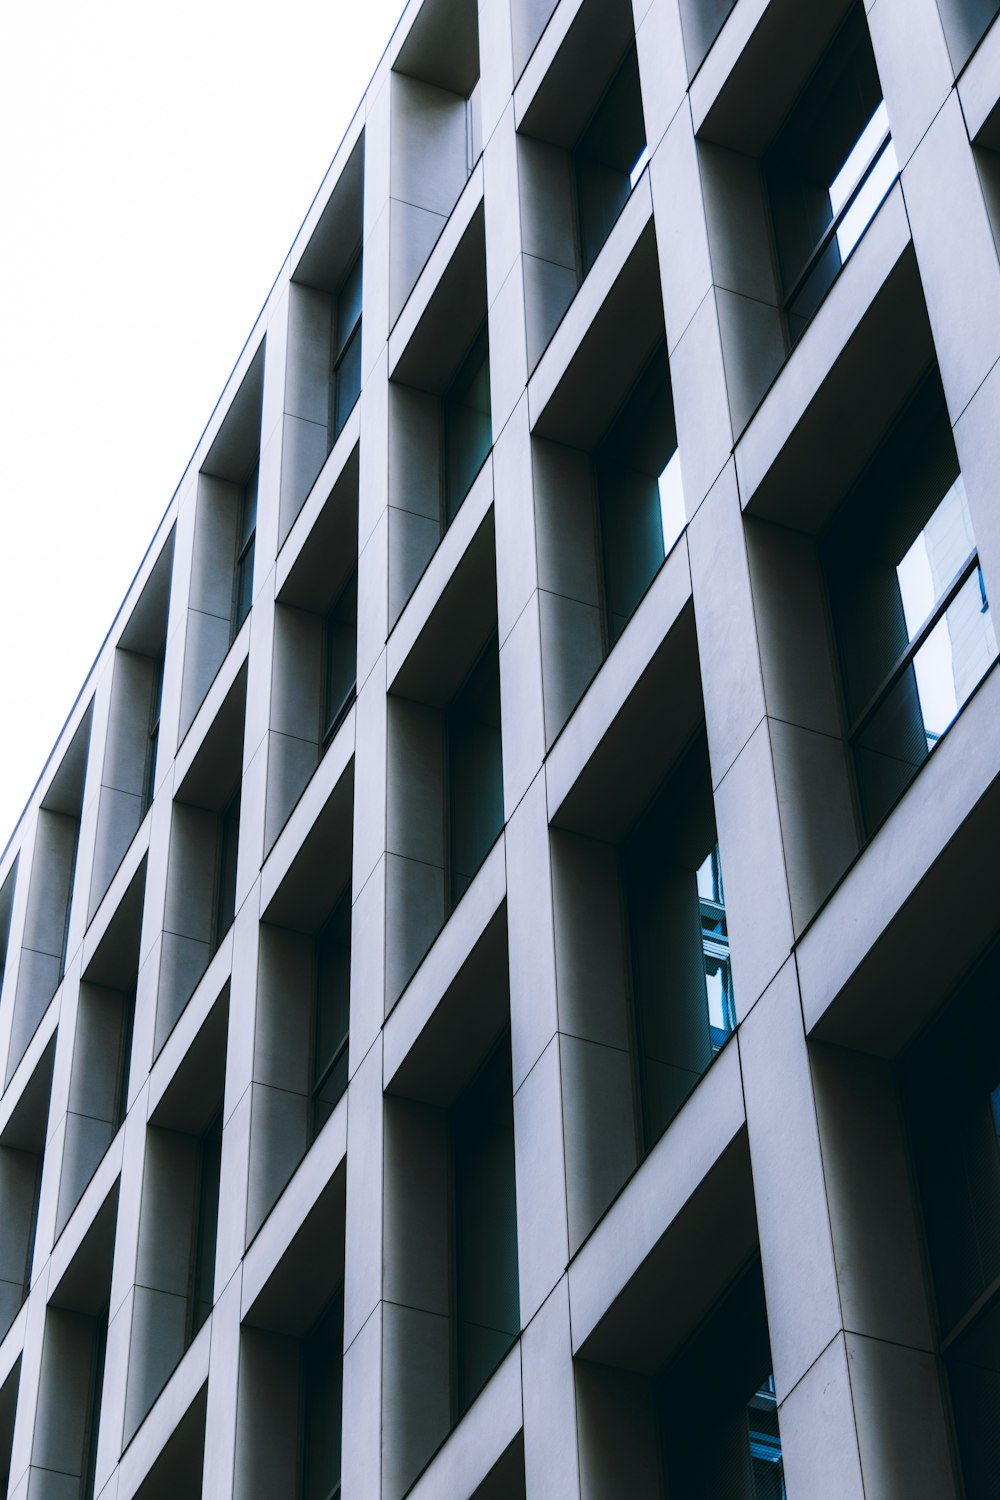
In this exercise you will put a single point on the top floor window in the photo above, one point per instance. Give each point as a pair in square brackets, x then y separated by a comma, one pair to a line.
[828, 170]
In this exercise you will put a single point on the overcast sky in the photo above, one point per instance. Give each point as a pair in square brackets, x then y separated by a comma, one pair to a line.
[155, 165]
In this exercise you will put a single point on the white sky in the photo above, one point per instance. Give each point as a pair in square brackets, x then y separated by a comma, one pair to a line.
[155, 165]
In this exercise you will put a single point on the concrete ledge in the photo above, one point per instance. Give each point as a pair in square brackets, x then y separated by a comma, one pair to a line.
[621, 1281]
[873, 966]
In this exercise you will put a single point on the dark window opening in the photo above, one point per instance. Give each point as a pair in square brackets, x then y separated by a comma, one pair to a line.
[322, 1407]
[345, 386]
[468, 432]
[245, 537]
[340, 658]
[475, 772]
[93, 1417]
[225, 891]
[120, 1105]
[487, 1305]
[828, 170]
[206, 1226]
[951, 1092]
[331, 1020]
[152, 739]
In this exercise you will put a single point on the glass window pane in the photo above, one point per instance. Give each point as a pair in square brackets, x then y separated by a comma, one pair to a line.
[348, 309]
[926, 699]
[681, 976]
[229, 837]
[475, 771]
[488, 1305]
[347, 382]
[340, 668]
[333, 1012]
[829, 145]
[323, 1379]
[207, 1227]
[468, 433]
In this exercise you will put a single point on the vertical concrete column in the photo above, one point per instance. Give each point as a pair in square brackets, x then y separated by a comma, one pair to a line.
[956, 254]
[860, 1403]
[548, 1378]
[121, 1308]
[363, 1422]
[86, 844]
[219, 1469]
[551, 1466]
[694, 339]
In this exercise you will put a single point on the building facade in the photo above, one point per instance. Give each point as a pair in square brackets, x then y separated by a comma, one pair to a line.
[499, 971]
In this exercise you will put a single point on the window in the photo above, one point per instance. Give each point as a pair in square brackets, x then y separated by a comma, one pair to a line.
[322, 1406]
[340, 658]
[609, 159]
[120, 1104]
[245, 535]
[720, 1419]
[715, 947]
[487, 1306]
[951, 1094]
[640, 495]
[909, 607]
[345, 387]
[93, 1414]
[475, 772]
[206, 1226]
[828, 171]
[225, 895]
[468, 434]
[152, 739]
[681, 981]
[6, 909]
[332, 1016]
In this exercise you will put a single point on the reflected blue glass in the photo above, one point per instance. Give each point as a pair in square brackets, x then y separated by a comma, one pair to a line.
[765, 1443]
[715, 946]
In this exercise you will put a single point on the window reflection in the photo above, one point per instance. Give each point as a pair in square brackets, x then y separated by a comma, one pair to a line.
[908, 602]
[715, 945]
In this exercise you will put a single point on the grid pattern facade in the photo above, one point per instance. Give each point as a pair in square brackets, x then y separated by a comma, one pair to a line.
[482, 961]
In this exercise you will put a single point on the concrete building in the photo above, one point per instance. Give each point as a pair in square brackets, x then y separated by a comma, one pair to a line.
[497, 985]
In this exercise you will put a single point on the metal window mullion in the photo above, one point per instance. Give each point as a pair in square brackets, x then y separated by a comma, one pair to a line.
[906, 657]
